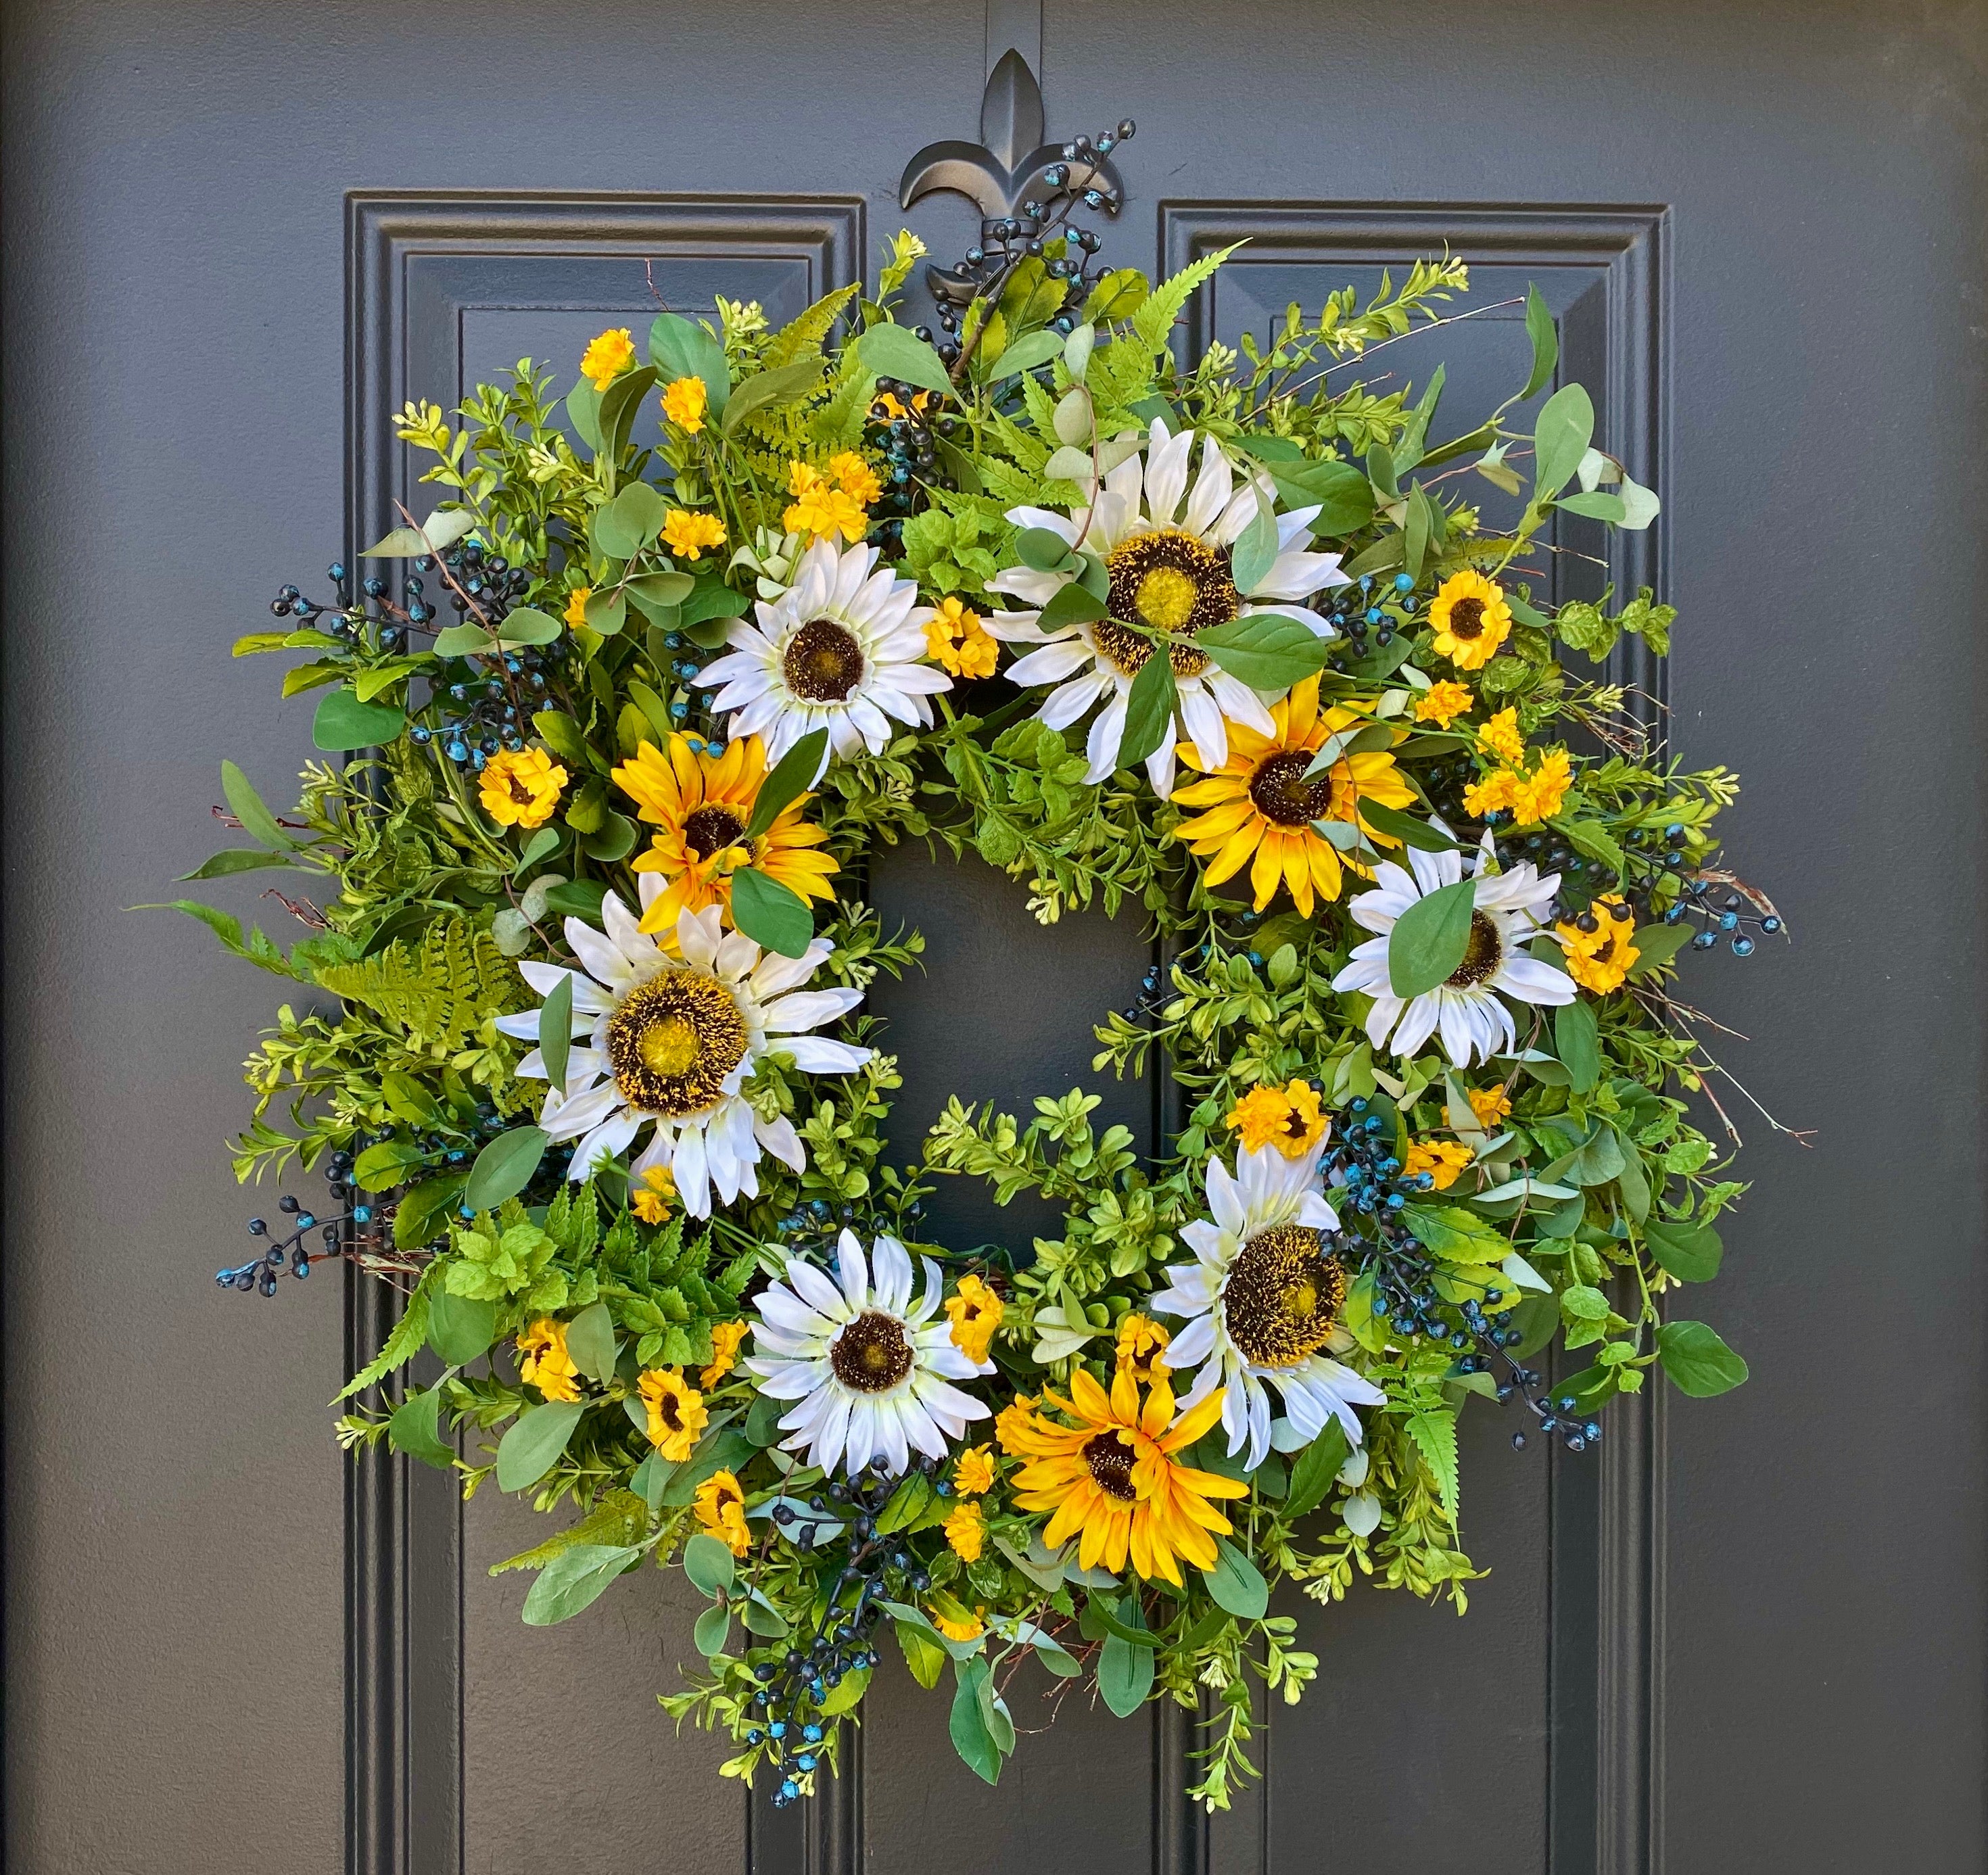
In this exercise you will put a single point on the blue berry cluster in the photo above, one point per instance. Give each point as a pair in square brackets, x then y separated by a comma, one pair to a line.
[1366, 618]
[797, 1681]
[261, 1270]
[1731, 918]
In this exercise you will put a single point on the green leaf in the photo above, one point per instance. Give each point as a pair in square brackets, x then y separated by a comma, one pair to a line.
[1632, 1181]
[1597, 506]
[574, 1579]
[1406, 828]
[1561, 433]
[555, 1031]
[1041, 548]
[792, 775]
[923, 1654]
[413, 1430]
[1236, 1583]
[1266, 651]
[343, 722]
[537, 1437]
[1035, 349]
[1419, 526]
[440, 531]
[714, 601]
[1656, 944]
[1691, 1252]
[1317, 1465]
[504, 1167]
[1149, 709]
[578, 898]
[679, 347]
[1343, 494]
[582, 405]
[708, 1563]
[891, 351]
[460, 1329]
[463, 641]
[236, 859]
[660, 589]
[561, 735]
[769, 914]
[1430, 939]
[1125, 1669]
[763, 389]
[1540, 329]
[423, 1208]
[619, 403]
[971, 1736]
[1698, 1363]
[626, 524]
[616, 839]
[589, 1340]
[1071, 605]
[527, 625]
[1578, 1043]
[1256, 550]
[257, 821]
[1435, 1435]
[711, 1629]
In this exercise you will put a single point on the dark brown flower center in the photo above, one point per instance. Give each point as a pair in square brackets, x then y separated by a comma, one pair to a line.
[672, 1042]
[871, 1356]
[1281, 1297]
[1111, 1457]
[1482, 955]
[672, 1416]
[1168, 581]
[1467, 619]
[710, 829]
[519, 792]
[1283, 794]
[823, 662]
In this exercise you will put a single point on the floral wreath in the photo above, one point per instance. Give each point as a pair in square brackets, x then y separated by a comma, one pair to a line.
[1228, 644]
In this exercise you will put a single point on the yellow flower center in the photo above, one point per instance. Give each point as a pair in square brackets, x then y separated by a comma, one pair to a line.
[673, 1042]
[824, 662]
[1281, 1297]
[1166, 597]
[1168, 581]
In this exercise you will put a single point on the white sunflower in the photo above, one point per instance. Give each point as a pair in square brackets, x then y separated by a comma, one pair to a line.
[839, 649]
[1166, 550]
[1466, 1010]
[870, 1369]
[1262, 1299]
[672, 1040]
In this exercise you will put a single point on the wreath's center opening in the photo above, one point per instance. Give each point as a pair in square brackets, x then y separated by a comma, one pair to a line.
[1283, 1296]
[824, 662]
[1482, 955]
[1167, 581]
[871, 1354]
[709, 830]
[672, 1042]
[1110, 1457]
[1281, 794]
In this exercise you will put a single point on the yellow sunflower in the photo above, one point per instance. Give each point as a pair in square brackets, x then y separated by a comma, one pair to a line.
[976, 1311]
[1259, 802]
[725, 1340]
[720, 1505]
[1601, 944]
[1443, 1160]
[1113, 1481]
[544, 1362]
[1470, 619]
[677, 1412]
[701, 805]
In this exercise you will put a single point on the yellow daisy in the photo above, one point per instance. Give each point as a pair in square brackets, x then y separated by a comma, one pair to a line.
[544, 1362]
[973, 1472]
[1490, 1104]
[720, 1505]
[576, 605]
[1442, 703]
[976, 1312]
[966, 1531]
[520, 787]
[1113, 1480]
[608, 356]
[725, 1338]
[1443, 1160]
[820, 509]
[1289, 1118]
[684, 400]
[651, 1200]
[1259, 802]
[956, 640]
[677, 1412]
[1142, 1348]
[1470, 619]
[701, 804]
[855, 477]
[1501, 736]
[686, 534]
[1599, 959]
[1013, 1423]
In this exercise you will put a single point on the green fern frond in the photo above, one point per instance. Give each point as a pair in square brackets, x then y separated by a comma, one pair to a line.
[438, 990]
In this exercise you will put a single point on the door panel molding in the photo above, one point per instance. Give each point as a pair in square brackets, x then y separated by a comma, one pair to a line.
[421, 268]
[1612, 264]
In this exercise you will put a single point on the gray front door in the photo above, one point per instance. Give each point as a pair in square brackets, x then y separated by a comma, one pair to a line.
[1746, 1635]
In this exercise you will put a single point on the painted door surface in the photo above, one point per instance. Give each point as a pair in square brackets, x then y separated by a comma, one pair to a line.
[1748, 1634]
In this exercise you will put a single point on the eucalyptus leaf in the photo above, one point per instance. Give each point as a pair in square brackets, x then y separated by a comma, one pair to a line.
[1041, 548]
[504, 1167]
[679, 347]
[343, 723]
[1039, 348]
[708, 1563]
[590, 1340]
[1314, 1470]
[1071, 605]
[534, 1441]
[1540, 329]
[769, 914]
[1561, 433]
[1125, 1674]
[710, 1631]
[1236, 1583]
[574, 1579]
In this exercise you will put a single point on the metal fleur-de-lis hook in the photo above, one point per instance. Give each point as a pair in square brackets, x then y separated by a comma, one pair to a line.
[1010, 172]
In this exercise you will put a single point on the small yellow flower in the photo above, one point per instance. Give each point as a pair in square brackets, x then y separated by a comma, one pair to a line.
[521, 787]
[1599, 960]
[1443, 1160]
[966, 1531]
[1528, 799]
[1288, 1117]
[1490, 1104]
[1012, 1419]
[685, 400]
[677, 1412]
[1470, 619]
[976, 1312]
[973, 1472]
[726, 1337]
[576, 605]
[720, 1505]
[1442, 703]
[686, 534]
[962, 1627]
[652, 1202]
[1142, 1347]
[1500, 735]
[956, 640]
[607, 358]
[544, 1362]
[856, 478]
